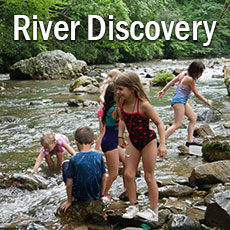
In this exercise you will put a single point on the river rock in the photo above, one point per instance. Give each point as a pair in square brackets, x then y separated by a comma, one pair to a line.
[177, 71]
[82, 103]
[214, 151]
[211, 173]
[227, 76]
[84, 84]
[48, 65]
[203, 131]
[175, 190]
[184, 150]
[217, 76]
[162, 78]
[117, 220]
[182, 222]
[209, 116]
[7, 119]
[218, 211]
[89, 211]
[21, 181]
[227, 125]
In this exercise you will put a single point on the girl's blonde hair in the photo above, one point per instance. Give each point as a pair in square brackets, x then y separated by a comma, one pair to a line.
[131, 80]
[111, 76]
[48, 138]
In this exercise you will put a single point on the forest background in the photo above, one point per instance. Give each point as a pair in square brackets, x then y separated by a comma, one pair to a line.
[104, 50]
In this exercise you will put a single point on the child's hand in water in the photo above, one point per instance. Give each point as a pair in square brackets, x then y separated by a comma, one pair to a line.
[210, 102]
[160, 94]
[162, 150]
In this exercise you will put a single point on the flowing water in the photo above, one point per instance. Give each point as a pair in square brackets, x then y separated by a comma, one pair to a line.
[37, 106]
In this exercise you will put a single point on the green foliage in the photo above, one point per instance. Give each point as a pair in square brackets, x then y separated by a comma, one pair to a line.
[12, 51]
[199, 10]
[162, 78]
[104, 50]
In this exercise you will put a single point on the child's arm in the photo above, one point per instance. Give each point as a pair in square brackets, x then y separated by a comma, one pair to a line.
[172, 82]
[68, 203]
[192, 85]
[68, 148]
[101, 99]
[150, 112]
[121, 130]
[38, 162]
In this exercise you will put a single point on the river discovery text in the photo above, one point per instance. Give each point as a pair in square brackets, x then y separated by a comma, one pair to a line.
[122, 30]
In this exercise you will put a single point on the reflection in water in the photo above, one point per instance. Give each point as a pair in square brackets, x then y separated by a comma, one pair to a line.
[28, 108]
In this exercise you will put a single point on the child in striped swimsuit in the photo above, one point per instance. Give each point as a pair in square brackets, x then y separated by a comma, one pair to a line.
[187, 85]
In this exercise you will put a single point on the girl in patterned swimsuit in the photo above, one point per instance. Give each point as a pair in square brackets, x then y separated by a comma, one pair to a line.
[53, 144]
[187, 85]
[136, 112]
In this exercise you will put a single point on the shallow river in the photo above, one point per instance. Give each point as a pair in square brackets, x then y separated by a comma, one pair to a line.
[38, 106]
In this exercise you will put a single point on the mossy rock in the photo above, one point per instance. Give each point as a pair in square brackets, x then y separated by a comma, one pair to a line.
[162, 78]
[215, 151]
[73, 85]
[227, 83]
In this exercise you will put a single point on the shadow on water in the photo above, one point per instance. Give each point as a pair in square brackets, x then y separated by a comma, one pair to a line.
[28, 108]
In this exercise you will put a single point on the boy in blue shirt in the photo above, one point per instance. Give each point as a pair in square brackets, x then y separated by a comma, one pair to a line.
[84, 174]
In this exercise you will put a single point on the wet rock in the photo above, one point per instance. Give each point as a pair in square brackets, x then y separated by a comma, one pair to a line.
[7, 119]
[211, 173]
[216, 189]
[203, 131]
[22, 182]
[89, 211]
[177, 71]
[117, 220]
[216, 139]
[182, 222]
[227, 125]
[217, 76]
[82, 103]
[184, 150]
[175, 190]
[214, 151]
[84, 84]
[162, 78]
[227, 76]
[209, 116]
[218, 211]
[48, 65]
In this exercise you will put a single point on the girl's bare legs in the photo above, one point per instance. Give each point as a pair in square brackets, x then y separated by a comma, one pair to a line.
[112, 160]
[49, 161]
[192, 121]
[101, 134]
[149, 155]
[60, 158]
[179, 111]
[122, 159]
[131, 164]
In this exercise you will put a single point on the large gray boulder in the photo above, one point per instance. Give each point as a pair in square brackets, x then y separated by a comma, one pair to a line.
[49, 65]
[211, 173]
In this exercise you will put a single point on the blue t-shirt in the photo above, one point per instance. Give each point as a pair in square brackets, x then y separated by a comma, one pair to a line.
[86, 170]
